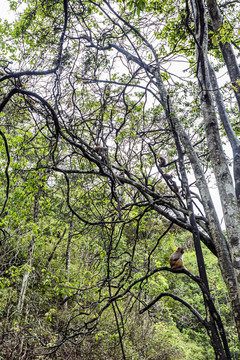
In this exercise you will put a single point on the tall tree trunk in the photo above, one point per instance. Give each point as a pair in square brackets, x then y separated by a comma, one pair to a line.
[30, 254]
[233, 139]
[215, 327]
[221, 245]
[68, 254]
[234, 74]
[226, 48]
[218, 159]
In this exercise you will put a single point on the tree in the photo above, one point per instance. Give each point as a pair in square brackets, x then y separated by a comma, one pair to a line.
[97, 75]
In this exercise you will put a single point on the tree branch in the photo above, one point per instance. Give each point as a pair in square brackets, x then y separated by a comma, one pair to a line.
[175, 297]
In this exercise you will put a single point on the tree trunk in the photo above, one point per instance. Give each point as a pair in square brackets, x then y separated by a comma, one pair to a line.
[215, 327]
[30, 255]
[234, 141]
[226, 48]
[68, 254]
[218, 159]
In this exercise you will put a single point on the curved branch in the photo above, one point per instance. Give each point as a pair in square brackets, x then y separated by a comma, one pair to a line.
[175, 297]
[34, 95]
[44, 72]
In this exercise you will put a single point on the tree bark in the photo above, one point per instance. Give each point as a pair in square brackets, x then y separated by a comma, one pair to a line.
[30, 254]
[234, 74]
[218, 159]
[215, 328]
[68, 254]
[226, 48]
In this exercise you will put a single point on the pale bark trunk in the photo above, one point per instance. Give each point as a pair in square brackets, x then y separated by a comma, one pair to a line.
[226, 48]
[217, 156]
[222, 248]
[30, 255]
[68, 251]
[234, 74]
[234, 141]
[219, 240]
[68, 254]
